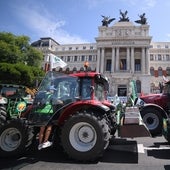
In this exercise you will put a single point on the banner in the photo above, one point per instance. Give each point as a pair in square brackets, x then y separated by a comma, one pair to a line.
[56, 62]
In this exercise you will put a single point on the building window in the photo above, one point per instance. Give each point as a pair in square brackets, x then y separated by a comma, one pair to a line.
[77, 48]
[62, 57]
[90, 57]
[82, 58]
[166, 46]
[70, 48]
[122, 64]
[75, 58]
[167, 57]
[151, 57]
[152, 71]
[168, 71]
[68, 58]
[84, 47]
[91, 47]
[45, 44]
[74, 69]
[160, 71]
[159, 57]
[138, 86]
[137, 65]
[108, 65]
[122, 90]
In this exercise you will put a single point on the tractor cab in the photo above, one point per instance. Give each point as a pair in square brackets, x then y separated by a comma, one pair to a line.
[59, 91]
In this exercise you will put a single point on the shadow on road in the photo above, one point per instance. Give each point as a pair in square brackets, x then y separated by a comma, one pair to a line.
[114, 154]
[121, 151]
[161, 150]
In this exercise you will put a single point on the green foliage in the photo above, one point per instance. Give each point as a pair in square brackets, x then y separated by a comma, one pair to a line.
[20, 63]
[19, 74]
[16, 49]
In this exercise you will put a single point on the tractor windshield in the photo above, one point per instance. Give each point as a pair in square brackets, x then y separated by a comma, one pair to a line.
[55, 91]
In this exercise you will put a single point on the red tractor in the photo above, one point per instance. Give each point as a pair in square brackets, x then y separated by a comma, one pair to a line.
[154, 108]
[83, 120]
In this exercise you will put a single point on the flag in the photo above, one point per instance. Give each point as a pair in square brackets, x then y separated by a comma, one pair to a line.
[56, 62]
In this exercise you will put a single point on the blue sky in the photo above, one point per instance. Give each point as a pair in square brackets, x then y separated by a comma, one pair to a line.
[77, 21]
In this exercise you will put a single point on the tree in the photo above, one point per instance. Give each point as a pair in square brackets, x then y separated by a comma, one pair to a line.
[20, 63]
[16, 49]
[20, 74]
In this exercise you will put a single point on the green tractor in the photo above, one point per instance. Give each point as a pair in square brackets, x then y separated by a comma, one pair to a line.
[15, 104]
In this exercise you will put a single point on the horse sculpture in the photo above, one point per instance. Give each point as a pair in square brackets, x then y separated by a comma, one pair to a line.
[106, 21]
[123, 17]
[142, 20]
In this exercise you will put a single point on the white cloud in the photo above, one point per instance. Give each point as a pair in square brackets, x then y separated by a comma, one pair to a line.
[94, 3]
[45, 25]
[145, 4]
[150, 3]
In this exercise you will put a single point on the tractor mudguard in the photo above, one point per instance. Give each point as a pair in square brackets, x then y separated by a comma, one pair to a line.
[74, 107]
[152, 105]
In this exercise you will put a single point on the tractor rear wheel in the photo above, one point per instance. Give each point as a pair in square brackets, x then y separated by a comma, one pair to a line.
[85, 136]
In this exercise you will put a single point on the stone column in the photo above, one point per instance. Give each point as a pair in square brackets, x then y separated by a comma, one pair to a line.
[147, 61]
[128, 59]
[98, 60]
[117, 59]
[143, 60]
[132, 59]
[113, 60]
[102, 61]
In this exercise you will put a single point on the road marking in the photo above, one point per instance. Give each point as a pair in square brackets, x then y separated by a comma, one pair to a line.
[140, 148]
[157, 148]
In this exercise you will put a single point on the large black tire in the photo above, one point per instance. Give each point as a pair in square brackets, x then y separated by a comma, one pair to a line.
[15, 137]
[153, 120]
[3, 115]
[84, 136]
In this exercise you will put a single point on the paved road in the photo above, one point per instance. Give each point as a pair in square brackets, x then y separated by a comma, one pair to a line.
[122, 154]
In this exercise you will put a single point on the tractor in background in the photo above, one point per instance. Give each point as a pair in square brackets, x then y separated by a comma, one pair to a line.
[154, 108]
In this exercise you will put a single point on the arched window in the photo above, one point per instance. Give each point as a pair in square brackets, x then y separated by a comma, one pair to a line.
[138, 86]
[152, 71]
[67, 70]
[60, 69]
[168, 71]
[74, 69]
[160, 71]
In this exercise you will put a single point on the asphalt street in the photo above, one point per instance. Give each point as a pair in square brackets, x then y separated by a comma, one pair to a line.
[144, 153]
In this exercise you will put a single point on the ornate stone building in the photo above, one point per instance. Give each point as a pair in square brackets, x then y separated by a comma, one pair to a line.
[123, 52]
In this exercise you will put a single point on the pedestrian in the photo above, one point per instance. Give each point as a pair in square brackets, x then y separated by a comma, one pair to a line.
[44, 134]
[45, 131]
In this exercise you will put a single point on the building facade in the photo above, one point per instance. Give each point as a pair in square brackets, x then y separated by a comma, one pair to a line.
[122, 52]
